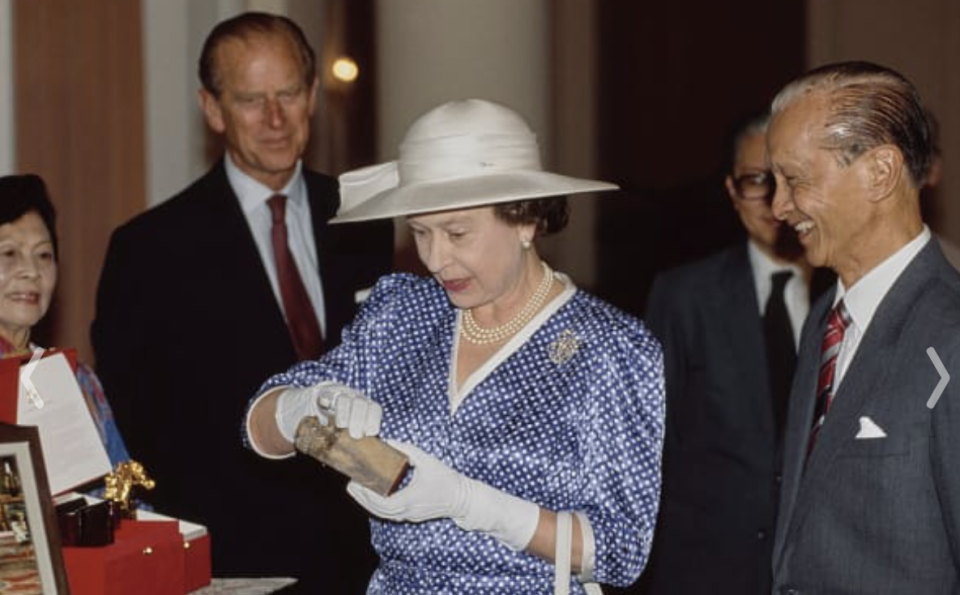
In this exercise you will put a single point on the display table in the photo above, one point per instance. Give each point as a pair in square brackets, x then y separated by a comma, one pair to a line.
[244, 586]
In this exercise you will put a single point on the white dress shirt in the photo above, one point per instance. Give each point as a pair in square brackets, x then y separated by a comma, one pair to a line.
[796, 293]
[253, 198]
[866, 294]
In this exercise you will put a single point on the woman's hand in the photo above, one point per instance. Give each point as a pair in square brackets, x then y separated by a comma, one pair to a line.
[436, 491]
[348, 408]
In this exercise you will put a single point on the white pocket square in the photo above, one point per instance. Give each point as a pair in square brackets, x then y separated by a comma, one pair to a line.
[869, 429]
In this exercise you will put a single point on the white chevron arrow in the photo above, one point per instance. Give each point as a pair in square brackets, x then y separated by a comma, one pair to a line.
[944, 378]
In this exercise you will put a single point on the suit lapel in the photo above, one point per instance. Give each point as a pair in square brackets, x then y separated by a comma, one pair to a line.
[240, 272]
[862, 382]
[234, 237]
[800, 420]
[740, 313]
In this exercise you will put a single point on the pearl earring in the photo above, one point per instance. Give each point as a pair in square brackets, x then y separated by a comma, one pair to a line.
[525, 244]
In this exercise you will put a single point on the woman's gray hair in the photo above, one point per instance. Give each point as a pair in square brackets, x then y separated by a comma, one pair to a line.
[868, 106]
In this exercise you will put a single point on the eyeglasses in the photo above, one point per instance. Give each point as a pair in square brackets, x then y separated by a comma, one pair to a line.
[757, 185]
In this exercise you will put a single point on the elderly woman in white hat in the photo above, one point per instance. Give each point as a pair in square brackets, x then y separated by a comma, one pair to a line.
[531, 412]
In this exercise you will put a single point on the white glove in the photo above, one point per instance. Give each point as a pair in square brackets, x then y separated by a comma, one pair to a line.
[437, 491]
[347, 407]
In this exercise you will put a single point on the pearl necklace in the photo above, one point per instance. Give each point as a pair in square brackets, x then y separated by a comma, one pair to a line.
[478, 335]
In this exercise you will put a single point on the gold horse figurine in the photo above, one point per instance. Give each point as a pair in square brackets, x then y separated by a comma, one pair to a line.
[121, 482]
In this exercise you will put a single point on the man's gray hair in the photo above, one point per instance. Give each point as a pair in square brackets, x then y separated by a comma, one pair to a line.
[867, 106]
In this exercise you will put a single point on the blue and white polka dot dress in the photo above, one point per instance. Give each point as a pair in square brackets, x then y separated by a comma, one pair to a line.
[572, 420]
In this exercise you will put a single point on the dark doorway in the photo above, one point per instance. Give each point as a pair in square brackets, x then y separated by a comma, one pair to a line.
[673, 76]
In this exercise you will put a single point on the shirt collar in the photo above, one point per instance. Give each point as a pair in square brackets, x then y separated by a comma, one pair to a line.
[252, 194]
[763, 267]
[866, 294]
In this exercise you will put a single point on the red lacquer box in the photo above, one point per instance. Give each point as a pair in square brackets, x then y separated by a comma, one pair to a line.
[146, 558]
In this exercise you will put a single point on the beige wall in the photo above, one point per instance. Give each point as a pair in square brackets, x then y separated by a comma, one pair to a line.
[919, 38]
[7, 162]
[174, 137]
[433, 51]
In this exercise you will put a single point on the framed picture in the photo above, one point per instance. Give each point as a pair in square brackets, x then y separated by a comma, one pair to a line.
[31, 562]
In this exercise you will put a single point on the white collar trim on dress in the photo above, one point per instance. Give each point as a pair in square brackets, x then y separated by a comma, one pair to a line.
[457, 396]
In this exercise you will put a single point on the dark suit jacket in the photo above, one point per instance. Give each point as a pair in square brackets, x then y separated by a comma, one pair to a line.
[718, 511]
[186, 330]
[882, 515]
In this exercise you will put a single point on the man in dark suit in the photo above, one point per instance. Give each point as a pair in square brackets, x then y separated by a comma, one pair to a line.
[729, 326]
[194, 312]
[871, 488]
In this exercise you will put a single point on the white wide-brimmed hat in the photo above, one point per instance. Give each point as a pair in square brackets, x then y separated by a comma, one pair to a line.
[460, 155]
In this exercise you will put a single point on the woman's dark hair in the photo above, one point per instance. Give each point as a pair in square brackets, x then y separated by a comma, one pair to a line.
[550, 215]
[22, 194]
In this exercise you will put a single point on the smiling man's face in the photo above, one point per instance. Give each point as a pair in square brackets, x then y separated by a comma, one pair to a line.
[819, 197]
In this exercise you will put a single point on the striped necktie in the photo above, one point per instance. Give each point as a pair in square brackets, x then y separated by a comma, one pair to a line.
[829, 349]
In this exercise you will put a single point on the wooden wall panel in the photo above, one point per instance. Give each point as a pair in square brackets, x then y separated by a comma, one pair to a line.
[79, 123]
[573, 64]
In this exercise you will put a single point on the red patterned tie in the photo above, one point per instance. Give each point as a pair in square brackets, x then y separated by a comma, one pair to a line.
[301, 319]
[829, 349]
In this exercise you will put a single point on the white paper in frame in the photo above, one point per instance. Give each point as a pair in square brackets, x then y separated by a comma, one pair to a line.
[72, 447]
